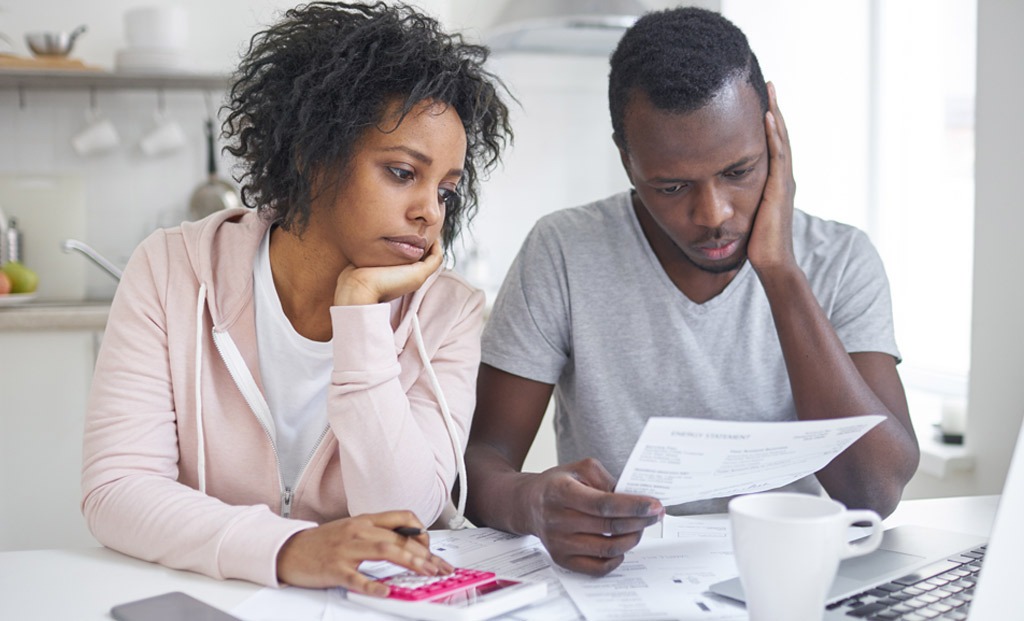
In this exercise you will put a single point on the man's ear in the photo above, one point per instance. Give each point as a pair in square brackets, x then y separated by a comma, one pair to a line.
[623, 157]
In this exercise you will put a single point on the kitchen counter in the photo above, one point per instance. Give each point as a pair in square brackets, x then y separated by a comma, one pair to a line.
[88, 315]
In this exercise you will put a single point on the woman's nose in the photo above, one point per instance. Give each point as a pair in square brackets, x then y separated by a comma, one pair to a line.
[428, 208]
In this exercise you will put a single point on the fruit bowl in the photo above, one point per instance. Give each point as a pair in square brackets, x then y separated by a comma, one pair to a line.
[10, 299]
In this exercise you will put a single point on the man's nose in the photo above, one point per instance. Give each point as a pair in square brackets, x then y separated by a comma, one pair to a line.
[713, 207]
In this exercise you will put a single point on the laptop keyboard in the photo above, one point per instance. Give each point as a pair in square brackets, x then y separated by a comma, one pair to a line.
[942, 590]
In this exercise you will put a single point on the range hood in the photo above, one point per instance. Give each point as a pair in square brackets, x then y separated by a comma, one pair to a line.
[586, 27]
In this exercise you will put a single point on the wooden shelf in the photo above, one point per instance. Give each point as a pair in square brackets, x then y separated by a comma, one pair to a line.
[56, 79]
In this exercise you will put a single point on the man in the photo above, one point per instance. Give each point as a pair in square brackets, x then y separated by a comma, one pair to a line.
[701, 292]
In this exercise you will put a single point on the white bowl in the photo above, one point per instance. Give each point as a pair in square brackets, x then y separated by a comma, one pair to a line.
[134, 59]
[161, 27]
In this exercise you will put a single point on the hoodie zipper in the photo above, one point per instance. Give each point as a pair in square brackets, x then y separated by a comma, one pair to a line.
[257, 404]
[288, 494]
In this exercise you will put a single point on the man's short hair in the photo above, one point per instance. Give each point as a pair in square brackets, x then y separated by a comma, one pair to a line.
[681, 58]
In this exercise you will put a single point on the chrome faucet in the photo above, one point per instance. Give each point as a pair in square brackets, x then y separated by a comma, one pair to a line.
[73, 244]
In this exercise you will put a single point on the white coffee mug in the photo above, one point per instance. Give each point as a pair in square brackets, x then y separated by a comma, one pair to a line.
[788, 547]
[165, 136]
[98, 136]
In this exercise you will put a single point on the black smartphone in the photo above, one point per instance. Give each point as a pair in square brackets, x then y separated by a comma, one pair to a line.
[176, 606]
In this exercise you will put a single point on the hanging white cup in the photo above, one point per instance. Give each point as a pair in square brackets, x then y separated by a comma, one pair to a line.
[165, 136]
[98, 136]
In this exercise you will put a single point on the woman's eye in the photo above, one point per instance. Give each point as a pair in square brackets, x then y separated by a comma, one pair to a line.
[401, 173]
[450, 198]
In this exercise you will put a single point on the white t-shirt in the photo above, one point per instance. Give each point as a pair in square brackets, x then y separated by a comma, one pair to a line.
[586, 306]
[296, 373]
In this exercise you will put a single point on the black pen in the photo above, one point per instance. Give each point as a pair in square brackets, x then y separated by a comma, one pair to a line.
[408, 531]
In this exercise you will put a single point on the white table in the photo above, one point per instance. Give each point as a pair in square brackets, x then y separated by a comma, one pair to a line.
[83, 583]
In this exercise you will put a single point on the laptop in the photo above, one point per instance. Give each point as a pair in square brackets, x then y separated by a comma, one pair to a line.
[925, 573]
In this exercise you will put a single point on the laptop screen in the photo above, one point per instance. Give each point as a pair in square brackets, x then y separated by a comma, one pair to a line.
[998, 592]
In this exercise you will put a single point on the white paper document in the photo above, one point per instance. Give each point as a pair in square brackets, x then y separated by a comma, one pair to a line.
[664, 579]
[679, 460]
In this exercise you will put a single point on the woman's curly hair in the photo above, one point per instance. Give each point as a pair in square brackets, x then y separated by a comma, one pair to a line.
[310, 85]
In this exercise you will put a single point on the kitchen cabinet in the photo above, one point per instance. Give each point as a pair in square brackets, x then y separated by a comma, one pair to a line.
[44, 384]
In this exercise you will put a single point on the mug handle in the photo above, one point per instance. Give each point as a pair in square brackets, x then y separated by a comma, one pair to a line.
[869, 544]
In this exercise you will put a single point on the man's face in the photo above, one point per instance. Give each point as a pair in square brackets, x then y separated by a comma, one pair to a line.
[699, 176]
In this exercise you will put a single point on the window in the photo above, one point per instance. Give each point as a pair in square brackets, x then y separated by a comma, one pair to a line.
[879, 100]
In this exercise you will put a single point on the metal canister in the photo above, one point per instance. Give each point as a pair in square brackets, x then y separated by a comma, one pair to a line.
[12, 242]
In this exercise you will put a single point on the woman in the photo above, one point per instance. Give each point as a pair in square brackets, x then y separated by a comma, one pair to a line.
[263, 376]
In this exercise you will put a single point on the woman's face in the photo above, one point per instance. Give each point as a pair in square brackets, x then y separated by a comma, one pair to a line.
[389, 206]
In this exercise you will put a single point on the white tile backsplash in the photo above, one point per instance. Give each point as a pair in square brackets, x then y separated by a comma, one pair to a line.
[128, 194]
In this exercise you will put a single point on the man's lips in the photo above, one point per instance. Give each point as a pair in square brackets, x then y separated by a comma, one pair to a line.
[718, 249]
[409, 246]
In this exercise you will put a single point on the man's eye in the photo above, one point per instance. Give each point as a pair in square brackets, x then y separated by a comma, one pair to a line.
[672, 189]
[401, 173]
[736, 174]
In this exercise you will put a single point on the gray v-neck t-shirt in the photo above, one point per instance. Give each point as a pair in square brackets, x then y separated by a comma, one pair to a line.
[586, 306]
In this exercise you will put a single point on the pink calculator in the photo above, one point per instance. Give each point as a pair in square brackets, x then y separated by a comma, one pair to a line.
[413, 587]
[464, 595]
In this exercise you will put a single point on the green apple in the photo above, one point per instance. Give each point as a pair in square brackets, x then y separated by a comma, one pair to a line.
[23, 280]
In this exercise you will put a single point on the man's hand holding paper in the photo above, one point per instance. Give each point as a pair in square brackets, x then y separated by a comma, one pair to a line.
[679, 460]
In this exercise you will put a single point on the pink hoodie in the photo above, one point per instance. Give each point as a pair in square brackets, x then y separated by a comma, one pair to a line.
[167, 385]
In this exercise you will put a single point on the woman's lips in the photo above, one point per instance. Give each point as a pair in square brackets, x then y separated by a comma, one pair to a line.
[410, 247]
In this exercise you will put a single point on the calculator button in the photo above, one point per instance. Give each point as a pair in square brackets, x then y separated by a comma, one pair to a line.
[413, 587]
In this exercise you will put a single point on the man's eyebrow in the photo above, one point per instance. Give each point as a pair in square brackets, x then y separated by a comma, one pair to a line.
[750, 159]
[420, 156]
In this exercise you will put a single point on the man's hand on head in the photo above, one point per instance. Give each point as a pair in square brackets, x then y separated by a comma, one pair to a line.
[771, 239]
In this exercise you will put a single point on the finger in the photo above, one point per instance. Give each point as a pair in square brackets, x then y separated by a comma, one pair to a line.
[443, 565]
[590, 565]
[598, 546]
[593, 473]
[575, 522]
[394, 519]
[594, 502]
[434, 255]
[359, 583]
[410, 554]
[773, 107]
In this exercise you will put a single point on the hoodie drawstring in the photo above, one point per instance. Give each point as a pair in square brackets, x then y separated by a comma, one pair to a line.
[200, 438]
[453, 433]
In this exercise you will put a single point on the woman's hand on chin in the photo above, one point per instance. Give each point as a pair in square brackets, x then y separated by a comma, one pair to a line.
[374, 285]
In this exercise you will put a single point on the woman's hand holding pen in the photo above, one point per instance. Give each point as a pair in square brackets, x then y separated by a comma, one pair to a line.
[374, 285]
[329, 555]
